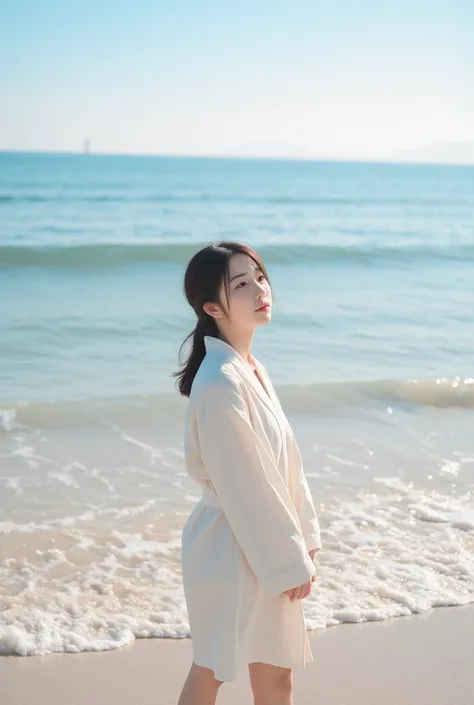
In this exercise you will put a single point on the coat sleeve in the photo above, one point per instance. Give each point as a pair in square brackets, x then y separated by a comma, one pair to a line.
[307, 513]
[300, 491]
[251, 491]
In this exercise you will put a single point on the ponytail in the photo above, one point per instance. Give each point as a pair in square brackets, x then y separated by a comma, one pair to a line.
[206, 325]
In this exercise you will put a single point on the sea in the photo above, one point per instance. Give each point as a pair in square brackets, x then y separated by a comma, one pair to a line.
[371, 350]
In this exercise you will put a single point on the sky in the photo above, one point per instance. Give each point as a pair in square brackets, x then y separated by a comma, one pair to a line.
[311, 79]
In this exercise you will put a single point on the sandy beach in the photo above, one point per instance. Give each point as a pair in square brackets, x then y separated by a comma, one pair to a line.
[421, 660]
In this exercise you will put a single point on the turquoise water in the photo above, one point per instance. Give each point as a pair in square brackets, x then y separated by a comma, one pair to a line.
[372, 266]
[370, 348]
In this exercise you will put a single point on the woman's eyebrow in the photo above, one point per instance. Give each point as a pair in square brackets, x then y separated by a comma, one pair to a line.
[236, 276]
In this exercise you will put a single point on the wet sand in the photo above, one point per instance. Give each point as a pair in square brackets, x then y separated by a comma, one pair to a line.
[422, 660]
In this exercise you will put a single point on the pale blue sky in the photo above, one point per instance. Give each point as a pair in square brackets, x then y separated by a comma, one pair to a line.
[344, 79]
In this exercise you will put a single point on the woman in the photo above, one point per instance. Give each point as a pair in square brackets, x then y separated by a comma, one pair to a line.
[249, 546]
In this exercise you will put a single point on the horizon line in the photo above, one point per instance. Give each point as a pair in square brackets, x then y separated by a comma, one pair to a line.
[242, 157]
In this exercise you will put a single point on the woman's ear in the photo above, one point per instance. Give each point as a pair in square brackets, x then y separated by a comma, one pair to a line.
[212, 310]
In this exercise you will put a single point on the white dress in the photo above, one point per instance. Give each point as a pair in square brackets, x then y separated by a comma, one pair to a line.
[247, 539]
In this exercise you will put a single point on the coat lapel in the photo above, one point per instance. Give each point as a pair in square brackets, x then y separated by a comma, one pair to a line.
[268, 398]
[271, 392]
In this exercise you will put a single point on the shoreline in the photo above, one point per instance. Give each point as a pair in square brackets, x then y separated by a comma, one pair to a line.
[416, 660]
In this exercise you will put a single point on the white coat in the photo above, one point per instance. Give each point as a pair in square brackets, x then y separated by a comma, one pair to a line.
[247, 539]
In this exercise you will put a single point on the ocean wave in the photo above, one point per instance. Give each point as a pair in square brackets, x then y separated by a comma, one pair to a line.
[319, 399]
[106, 255]
[135, 410]
[58, 199]
[397, 549]
[127, 196]
[440, 393]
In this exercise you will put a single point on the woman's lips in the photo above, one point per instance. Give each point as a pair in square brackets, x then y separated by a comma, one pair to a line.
[264, 307]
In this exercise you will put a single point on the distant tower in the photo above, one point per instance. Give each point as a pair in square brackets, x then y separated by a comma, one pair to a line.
[86, 147]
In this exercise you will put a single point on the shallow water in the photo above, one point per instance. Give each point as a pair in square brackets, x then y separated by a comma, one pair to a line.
[370, 349]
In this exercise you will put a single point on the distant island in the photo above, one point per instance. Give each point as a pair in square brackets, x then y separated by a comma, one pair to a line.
[439, 153]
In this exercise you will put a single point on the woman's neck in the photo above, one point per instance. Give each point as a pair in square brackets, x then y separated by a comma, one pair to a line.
[241, 343]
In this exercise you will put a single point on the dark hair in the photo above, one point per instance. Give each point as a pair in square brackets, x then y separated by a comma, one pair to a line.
[205, 272]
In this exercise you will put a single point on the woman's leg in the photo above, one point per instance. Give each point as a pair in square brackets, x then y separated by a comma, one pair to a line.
[200, 688]
[271, 685]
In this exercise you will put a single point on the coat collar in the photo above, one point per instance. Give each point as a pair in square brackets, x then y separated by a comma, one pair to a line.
[229, 353]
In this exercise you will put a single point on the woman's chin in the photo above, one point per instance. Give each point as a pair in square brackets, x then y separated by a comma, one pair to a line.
[264, 317]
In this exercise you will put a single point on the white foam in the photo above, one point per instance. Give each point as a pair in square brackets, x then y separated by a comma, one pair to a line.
[7, 419]
[91, 528]
[390, 551]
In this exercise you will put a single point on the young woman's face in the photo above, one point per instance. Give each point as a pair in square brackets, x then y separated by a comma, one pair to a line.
[249, 294]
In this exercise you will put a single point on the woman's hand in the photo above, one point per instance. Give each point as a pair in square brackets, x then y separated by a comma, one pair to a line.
[301, 592]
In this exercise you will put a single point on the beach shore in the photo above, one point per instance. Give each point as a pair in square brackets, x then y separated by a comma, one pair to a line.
[421, 660]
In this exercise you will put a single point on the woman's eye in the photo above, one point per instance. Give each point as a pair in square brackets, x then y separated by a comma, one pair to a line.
[242, 284]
